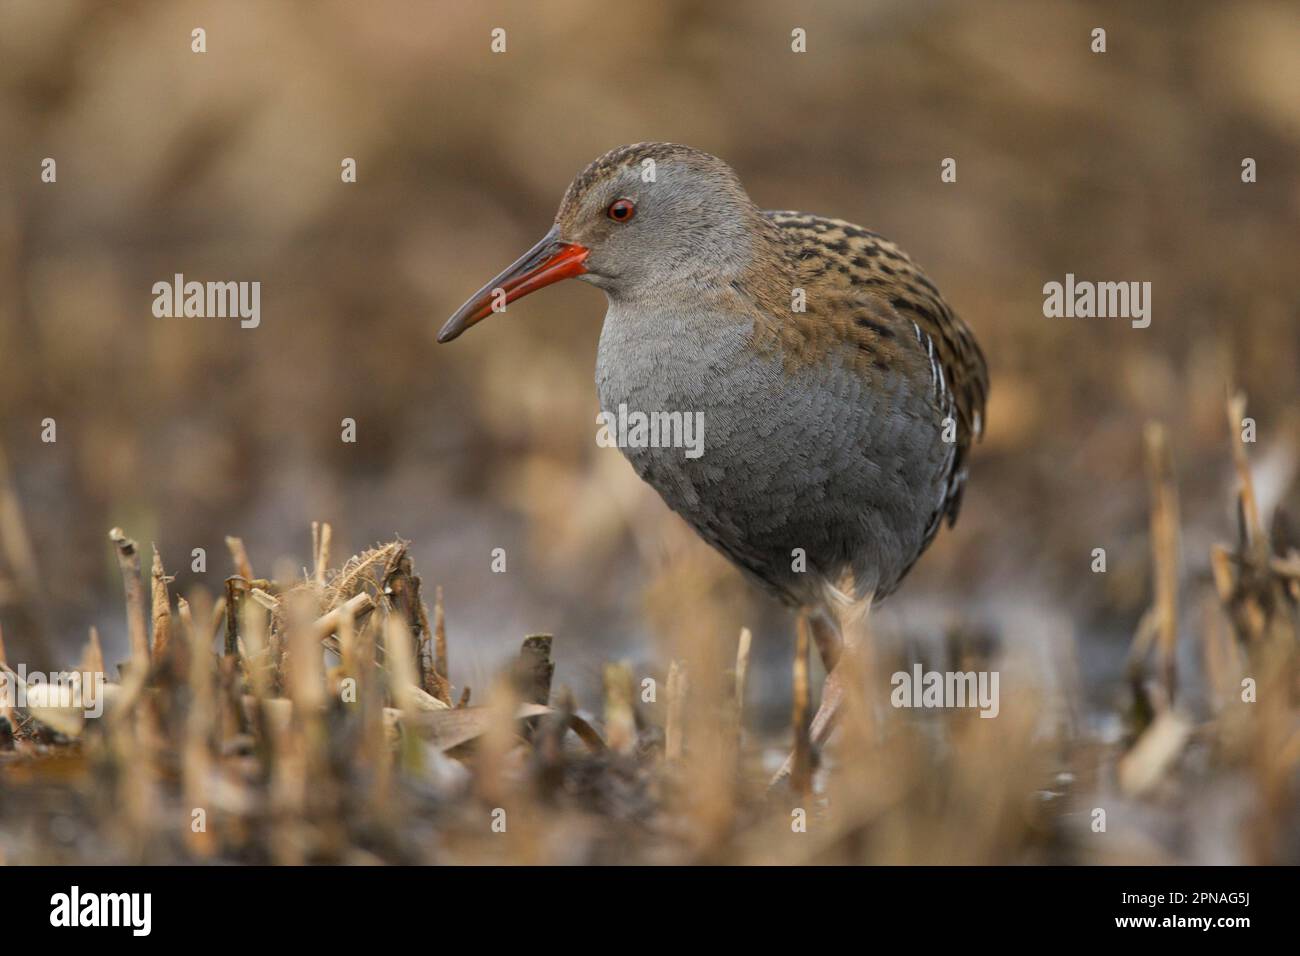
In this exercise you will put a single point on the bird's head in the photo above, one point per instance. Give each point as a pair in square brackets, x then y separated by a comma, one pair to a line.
[638, 221]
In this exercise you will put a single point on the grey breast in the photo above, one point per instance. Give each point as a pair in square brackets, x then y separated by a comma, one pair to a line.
[815, 461]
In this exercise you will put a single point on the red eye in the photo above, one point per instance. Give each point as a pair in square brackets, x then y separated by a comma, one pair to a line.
[621, 210]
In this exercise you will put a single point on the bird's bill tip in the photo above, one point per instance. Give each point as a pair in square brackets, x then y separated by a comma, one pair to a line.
[549, 261]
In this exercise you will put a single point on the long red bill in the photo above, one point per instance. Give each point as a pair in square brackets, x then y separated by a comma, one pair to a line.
[548, 262]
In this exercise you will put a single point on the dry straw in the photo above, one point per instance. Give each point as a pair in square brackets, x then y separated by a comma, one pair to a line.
[317, 721]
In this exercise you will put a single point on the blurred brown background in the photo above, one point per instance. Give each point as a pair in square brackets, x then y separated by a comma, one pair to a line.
[225, 166]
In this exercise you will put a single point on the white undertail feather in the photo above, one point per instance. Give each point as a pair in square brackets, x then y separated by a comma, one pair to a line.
[847, 608]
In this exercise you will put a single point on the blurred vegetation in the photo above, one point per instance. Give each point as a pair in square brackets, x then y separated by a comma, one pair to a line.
[1120, 166]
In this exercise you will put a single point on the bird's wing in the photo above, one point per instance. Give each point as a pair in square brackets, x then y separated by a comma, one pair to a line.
[862, 288]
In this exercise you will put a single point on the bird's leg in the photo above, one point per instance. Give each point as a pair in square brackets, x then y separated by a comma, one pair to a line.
[823, 722]
[827, 634]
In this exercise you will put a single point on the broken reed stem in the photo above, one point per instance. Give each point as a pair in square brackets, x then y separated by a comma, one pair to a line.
[128, 560]
[352, 609]
[92, 661]
[1251, 527]
[321, 537]
[347, 646]
[16, 547]
[742, 670]
[534, 669]
[213, 621]
[233, 601]
[290, 721]
[305, 681]
[239, 555]
[162, 615]
[674, 737]
[1253, 583]
[400, 669]
[620, 714]
[186, 618]
[801, 770]
[1135, 669]
[432, 681]
[440, 638]
[1220, 655]
[374, 748]
[1164, 551]
[255, 628]
[402, 583]
[196, 752]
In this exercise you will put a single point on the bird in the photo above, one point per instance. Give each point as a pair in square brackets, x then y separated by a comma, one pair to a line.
[840, 395]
